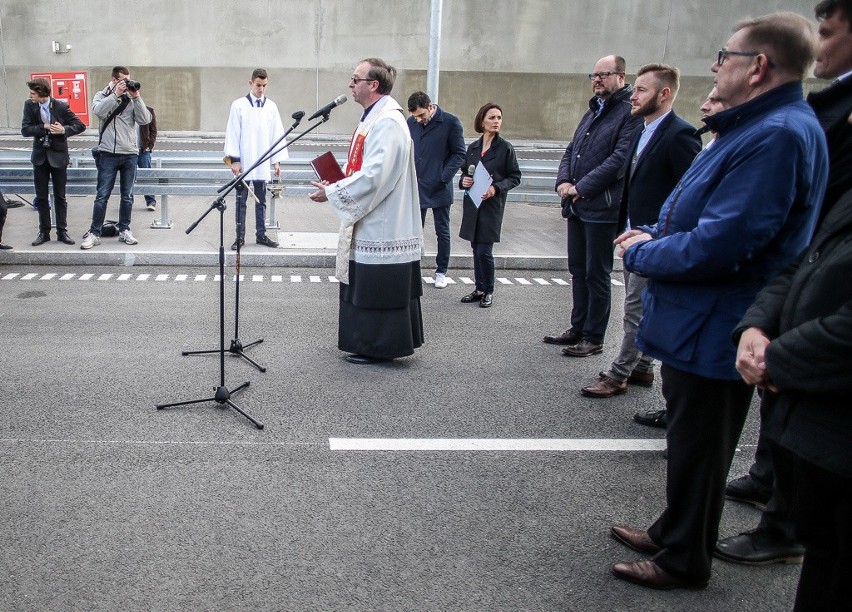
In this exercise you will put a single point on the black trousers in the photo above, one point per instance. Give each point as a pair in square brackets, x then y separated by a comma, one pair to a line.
[590, 265]
[705, 420]
[821, 507]
[42, 174]
[3, 209]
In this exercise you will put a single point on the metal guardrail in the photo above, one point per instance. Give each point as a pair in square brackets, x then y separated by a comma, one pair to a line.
[181, 173]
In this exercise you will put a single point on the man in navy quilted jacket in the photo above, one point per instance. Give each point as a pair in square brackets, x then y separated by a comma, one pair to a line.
[590, 182]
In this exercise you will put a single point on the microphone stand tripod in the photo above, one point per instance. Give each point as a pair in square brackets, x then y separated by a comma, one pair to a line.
[222, 394]
[237, 347]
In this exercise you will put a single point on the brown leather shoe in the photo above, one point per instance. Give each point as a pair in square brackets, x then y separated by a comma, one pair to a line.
[637, 539]
[583, 348]
[569, 336]
[605, 387]
[642, 379]
[648, 574]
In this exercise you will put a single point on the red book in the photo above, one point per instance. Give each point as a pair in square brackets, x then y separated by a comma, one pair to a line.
[327, 168]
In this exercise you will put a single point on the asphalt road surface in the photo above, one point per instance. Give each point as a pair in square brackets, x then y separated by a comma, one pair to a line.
[110, 504]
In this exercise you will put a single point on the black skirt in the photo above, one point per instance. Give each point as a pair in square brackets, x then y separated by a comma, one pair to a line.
[380, 313]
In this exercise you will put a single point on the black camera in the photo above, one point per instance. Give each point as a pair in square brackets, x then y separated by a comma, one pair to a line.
[45, 141]
[132, 85]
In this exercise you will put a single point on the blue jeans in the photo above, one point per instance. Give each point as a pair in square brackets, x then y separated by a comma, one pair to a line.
[483, 266]
[259, 188]
[110, 166]
[441, 216]
[145, 162]
[590, 264]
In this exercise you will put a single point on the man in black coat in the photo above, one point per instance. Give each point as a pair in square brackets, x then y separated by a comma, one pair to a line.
[773, 541]
[438, 154]
[49, 122]
[590, 182]
[794, 343]
[658, 156]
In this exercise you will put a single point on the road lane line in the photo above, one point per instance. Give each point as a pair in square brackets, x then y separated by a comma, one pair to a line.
[497, 444]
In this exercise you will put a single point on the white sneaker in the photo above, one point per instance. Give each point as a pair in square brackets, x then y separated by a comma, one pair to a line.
[90, 240]
[127, 238]
[440, 281]
[152, 207]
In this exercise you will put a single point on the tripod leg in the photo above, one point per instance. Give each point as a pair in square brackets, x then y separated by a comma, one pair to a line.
[257, 424]
[251, 361]
[186, 403]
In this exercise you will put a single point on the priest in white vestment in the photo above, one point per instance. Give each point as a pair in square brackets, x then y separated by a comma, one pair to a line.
[378, 257]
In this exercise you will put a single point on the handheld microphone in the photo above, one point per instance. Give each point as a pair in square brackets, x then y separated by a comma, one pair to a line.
[327, 108]
[471, 170]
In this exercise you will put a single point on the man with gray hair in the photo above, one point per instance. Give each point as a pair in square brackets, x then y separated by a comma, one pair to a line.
[746, 208]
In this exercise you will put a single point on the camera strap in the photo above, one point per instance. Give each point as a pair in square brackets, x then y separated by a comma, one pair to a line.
[125, 100]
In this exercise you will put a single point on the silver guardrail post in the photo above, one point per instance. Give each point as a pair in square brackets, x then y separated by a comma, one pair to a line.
[163, 222]
[275, 188]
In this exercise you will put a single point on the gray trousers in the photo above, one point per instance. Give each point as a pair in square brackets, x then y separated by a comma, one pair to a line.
[630, 357]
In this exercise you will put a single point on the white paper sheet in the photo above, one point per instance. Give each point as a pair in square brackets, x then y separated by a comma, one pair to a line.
[481, 182]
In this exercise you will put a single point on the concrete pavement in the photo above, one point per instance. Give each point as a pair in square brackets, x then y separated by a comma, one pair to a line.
[533, 237]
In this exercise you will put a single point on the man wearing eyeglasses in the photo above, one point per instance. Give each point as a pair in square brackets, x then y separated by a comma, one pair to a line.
[378, 252]
[590, 182]
[745, 209]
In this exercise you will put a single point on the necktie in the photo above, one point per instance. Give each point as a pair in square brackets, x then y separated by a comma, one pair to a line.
[45, 114]
[257, 102]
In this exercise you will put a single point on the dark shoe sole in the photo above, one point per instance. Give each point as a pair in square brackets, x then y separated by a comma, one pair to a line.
[587, 393]
[747, 500]
[785, 559]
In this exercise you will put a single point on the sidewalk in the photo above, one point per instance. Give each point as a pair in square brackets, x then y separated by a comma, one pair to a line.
[533, 237]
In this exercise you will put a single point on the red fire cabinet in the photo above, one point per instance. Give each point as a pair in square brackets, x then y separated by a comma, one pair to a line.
[70, 87]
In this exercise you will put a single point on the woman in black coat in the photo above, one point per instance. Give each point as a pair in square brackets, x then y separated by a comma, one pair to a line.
[481, 225]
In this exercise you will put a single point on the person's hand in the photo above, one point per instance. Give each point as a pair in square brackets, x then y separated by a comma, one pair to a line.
[319, 194]
[236, 168]
[751, 358]
[563, 190]
[629, 238]
[489, 193]
[467, 182]
[56, 128]
[121, 88]
[276, 169]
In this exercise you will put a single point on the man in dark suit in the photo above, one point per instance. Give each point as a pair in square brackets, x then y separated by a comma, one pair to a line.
[438, 154]
[658, 156]
[50, 123]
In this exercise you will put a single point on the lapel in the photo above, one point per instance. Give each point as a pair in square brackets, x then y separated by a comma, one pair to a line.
[656, 137]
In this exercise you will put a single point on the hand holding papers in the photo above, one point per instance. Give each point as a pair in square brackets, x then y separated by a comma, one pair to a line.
[481, 182]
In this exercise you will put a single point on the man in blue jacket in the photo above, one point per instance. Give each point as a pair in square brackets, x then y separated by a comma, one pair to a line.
[438, 154]
[590, 181]
[745, 208]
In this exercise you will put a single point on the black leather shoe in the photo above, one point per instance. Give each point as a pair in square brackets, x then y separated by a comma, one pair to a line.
[757, 547]
[267, 241]
[5, 247]
[745, 490]
[363, 359]
[583, 348]
[64, 237]
[473, 296]
[486, 300]
[41, 239]
[652, 418]
[238, 243]
[569, 336]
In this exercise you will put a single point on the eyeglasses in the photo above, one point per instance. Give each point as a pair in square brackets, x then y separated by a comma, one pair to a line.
[724, 53]
[357, 80]
[602, 75]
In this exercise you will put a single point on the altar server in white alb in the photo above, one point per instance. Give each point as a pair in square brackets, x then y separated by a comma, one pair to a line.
[253, 125]
[378, 256]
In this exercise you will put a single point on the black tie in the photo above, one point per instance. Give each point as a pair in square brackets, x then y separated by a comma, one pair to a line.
[258, 102]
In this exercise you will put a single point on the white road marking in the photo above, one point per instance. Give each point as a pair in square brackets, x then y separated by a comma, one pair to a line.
[617, 283]
[162, 277]
[333, 279]
[465, 280]
[257, 278]
[124, 277]
[541, 281]
[496, 444]
[48, 276]
[85, 277]
[277, 278]
[67, 276]
[522, 281]
[560, 281]
[504, 281]
[143, 277]
[295, 279]
[10, 276]
[104, 277]
[315, 279]
[29, 276]
[200, 277]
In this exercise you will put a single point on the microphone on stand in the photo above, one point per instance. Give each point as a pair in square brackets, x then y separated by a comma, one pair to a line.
[297, 116]
[325, 110]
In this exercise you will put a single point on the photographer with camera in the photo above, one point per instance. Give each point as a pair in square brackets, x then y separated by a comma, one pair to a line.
[49, 122]
[120, 109]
